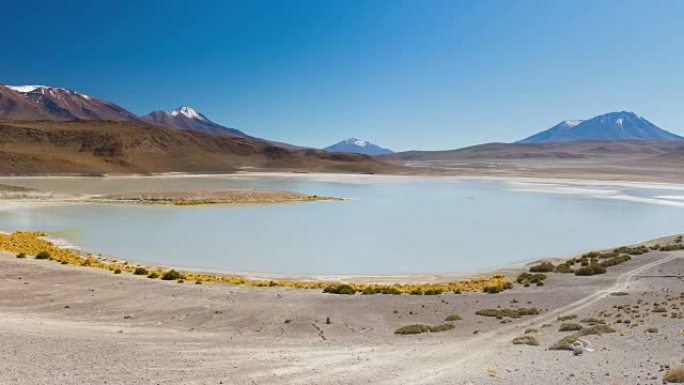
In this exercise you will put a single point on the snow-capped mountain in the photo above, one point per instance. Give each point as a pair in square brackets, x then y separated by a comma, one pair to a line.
[187, 118]
[32, 102]
[358, 146]
[611, 126]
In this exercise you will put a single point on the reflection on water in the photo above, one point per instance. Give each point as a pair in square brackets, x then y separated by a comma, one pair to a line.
[390, 225]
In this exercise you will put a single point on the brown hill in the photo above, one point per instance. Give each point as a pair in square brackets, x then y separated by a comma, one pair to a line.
[40, 147]
[566, 150]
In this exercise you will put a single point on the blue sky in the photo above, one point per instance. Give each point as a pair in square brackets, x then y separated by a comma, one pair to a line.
[404, 74]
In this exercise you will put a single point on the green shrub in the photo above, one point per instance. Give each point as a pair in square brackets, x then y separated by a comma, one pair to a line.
[441, 328]
[527, 278]
[510, 313]
[379, 290]
[672, 247]
[117, 271]
[564, 268]
[433, 292]
[651, 330]
[498, 288]
[172, 275]
[339, 289]
[592, 269]
[592, 321]
[637, 250]
[595, 330]
[43, 255]
[544, 267]
[570, 327]
[413, 329]
[531, 330]
[453, 317]
[153, 275]
[564, 343]
[420, 328]
[566, 317]
[416, 292]
[618, 293]
[615, 260]
[525, 340]
[21, 255]
[141, 271]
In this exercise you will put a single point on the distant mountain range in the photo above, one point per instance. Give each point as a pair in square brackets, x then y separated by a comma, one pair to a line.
[607, 127]
[53, 103]
[358, 146]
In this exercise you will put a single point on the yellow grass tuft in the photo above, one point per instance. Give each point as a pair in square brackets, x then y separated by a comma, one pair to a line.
[33, 243]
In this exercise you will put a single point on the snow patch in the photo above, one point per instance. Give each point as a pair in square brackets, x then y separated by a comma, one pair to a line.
[572, 123]
[357, 142]
[25, 89]
[188, 112]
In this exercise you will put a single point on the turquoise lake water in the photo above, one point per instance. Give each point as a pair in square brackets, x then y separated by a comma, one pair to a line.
[388, 225]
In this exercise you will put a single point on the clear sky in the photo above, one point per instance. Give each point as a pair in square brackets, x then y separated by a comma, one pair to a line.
[404, 74]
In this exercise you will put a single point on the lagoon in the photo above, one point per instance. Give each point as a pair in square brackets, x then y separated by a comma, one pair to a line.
[387, 224]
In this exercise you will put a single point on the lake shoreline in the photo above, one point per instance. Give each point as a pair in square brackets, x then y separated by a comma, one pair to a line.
[148, 330]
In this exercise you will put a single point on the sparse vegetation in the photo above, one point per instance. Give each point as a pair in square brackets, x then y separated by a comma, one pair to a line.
[544, 267]
[651, 330]
[43, 255]
[380, 290]
[172, 275]
[619, 293]
[564, 268]
[453, 317]
[433, 292]
[509, 313]
[339, 289]
[117, 271]
[527, 278]
[566, 317]
[421, 328]
[592, 321]
[525, 340]
[493, 289]
[441, 328]
[531, 330]
[672, 247]
[570, 327]
[153, 275]
[21, 255]
[566, 342]
[596, 330]
[592, 269]
[140, 271]
[615, 260]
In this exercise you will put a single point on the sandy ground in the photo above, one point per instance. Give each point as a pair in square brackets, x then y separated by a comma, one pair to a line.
[72, 325]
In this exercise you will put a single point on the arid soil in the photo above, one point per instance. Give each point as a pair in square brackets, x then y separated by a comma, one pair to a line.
[64, 324]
